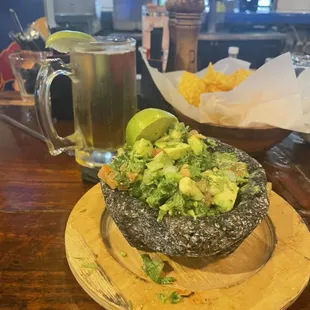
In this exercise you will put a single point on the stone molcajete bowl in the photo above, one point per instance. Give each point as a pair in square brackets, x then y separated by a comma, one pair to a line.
[184, 236]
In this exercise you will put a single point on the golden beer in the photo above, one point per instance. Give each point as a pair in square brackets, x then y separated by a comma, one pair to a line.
[103, 75]
[104, 100]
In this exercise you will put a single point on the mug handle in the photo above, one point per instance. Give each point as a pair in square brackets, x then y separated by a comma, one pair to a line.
[55, 143]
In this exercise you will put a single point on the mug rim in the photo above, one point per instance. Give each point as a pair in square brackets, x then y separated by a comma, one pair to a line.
[24, 55]
[106, 44]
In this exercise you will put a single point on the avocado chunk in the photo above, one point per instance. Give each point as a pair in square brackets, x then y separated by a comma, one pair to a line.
[163, 159]
[224, 191]
[175, 150]
[142, 149]
[175, 135]
[241, 172]
[225, 200]
[162, 143]
[160, 161]
[236, 172]
[189, 188]
[223, 160]
[196, 144]
[178, 132]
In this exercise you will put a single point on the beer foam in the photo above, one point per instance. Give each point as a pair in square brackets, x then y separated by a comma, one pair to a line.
[106, 47]
[102, 52]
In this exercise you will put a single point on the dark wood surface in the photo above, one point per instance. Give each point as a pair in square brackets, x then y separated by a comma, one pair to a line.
[37, 193]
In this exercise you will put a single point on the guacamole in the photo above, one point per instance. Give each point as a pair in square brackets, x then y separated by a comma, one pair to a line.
[178, 175]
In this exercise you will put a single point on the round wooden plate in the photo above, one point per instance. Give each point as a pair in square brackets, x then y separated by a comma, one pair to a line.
[268, 271]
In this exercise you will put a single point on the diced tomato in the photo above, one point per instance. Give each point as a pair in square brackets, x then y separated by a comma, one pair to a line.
[156, 151]
[107, 175]
[184, 171]
[104, 172]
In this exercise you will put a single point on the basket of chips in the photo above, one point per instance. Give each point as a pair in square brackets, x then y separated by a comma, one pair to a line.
[251, 110]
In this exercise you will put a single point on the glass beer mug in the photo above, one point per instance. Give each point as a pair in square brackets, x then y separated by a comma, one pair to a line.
[103, 75]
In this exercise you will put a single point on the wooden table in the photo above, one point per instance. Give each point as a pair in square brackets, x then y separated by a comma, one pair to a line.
[37, 193]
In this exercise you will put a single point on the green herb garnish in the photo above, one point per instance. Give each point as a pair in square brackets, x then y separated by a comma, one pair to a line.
[153, 270]
[90, 266]
[162, 297]
[175, 298]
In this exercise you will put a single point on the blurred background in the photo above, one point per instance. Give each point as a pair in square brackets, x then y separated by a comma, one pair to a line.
[261, 29]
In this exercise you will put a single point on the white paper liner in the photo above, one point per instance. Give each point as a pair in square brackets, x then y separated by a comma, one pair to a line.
[270, 97]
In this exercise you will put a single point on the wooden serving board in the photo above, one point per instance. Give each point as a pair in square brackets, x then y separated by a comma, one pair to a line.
[268, 271]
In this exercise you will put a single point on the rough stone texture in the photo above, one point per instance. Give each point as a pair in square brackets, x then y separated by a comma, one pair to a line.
[185, 236]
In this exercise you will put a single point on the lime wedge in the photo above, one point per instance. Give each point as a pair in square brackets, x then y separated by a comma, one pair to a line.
[63, 41]
[150, 124]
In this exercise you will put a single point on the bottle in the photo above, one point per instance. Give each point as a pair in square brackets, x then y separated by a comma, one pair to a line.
[233, 52]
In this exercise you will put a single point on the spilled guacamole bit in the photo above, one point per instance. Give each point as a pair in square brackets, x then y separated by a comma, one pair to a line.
[90, 265]
[153, 270]
[123, 254]
[174, 297]
[162, 297]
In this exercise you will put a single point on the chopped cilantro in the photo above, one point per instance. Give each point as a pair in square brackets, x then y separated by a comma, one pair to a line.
[153, 270]
[162, 297]
[175, 298]
[211, 142]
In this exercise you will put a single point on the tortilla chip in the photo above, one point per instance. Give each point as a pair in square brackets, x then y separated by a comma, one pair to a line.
[217, 81]
[239, 76]
[191, 87]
